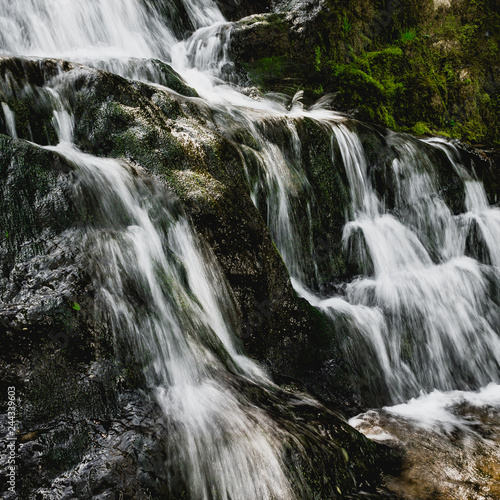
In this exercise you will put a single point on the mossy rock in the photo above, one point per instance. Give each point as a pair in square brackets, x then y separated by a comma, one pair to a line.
[237, 9]
[79, 392]
[127, 120]
[401, 64]
[35, 199]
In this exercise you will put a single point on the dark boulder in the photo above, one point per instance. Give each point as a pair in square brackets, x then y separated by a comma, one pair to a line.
[236, 9]
[86, 426]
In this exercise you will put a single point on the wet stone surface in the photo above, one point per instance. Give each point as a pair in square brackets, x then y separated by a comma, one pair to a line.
[442, 460]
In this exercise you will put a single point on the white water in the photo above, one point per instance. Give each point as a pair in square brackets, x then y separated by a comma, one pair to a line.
[182, 324]
[96, 29]
[181, 319]
[107, 34]
[441, 327]
[10, 120]
[437, 413]
[422, 307]
[479, 211]
[436, 408]
[423, 316]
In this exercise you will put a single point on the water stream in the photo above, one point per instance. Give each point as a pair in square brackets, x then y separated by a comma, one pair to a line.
[180, 325]
[424, 310]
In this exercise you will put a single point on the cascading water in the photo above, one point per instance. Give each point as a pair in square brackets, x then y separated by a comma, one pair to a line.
[440, 309]
[101, 28]
[424, 314]
[10, 120]
[440, 326]
[182, 324]
[102, 33]
[222, 444]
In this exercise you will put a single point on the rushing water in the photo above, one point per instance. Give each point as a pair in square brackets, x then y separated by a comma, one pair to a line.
[181, 323]
[178, 320]
[10, 120]
[423, 311]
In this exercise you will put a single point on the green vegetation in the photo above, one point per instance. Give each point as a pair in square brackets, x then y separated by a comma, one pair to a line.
[408, 35]
[346, 25]
[268, 67]
[408, 64]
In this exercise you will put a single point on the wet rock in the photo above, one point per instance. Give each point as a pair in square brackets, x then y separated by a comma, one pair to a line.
[485, 163]
[458, 457]
[85, 431]
[365, 54]
[175, 14]
[236, 9]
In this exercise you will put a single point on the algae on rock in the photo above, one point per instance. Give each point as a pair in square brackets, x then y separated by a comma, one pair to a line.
[80, 389]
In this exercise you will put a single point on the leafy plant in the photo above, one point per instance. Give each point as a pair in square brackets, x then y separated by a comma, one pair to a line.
[346, 25]
[317, 59]
[408, 35]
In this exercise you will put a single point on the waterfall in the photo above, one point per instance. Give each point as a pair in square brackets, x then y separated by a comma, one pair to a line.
[442, 308]
[181, 324]
[160, 284]
[101, 33]
[423, 310]
[181, 327]
[424, 313]
[99, 28]
[10, 120]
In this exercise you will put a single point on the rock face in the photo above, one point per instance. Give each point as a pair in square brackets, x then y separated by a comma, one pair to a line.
[388, 63]
[86, 428]
[461, 461]
[236, 9]
[175, 14]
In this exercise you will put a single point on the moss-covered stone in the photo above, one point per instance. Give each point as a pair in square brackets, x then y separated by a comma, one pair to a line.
[76, 394]
[34, 202]
[236, 9]
[51, 337]
[401, 64]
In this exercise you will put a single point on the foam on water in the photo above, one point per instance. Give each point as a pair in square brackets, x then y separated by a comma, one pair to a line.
[184, 327]
[438, 412]
[435, 410]
[424, 316]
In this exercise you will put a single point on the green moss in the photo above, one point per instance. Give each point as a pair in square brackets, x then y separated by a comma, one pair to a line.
[172, 80]
[346, 25]
[267, 68]
[384, 116]
[317, 60]
[350, 75]
[408, 35]
[410, 67]
[33, 118]
[31, 199]
[420, 128]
